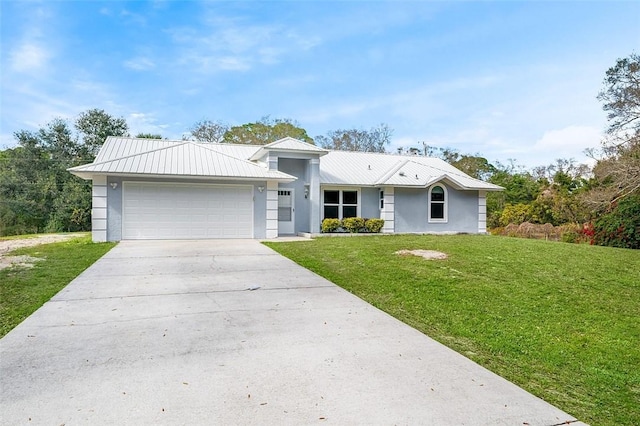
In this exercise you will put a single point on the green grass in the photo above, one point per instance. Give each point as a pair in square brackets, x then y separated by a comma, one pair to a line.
[560, 320]
[23, 290]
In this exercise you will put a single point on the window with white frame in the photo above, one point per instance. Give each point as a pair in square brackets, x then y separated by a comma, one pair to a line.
[438, 203]
[381, 200]
[339, 204]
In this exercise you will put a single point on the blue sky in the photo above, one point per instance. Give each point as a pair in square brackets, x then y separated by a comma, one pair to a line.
[505, 79]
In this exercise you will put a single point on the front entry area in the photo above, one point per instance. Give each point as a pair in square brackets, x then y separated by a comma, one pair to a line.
[154, 211]
[286, 212]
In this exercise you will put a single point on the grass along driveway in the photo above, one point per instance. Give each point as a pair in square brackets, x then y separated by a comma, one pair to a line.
[560, 320]
[25, 289]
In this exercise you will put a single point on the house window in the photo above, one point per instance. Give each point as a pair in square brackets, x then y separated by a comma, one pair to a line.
[437, 204]
[381, 200]
[339, 204]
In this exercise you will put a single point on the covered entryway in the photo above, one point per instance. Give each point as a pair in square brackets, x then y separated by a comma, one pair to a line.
[186, 211]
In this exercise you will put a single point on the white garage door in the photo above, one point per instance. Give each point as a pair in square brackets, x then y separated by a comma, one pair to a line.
[186, 211]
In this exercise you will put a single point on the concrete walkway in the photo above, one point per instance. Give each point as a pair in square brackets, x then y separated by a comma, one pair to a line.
[229, 332]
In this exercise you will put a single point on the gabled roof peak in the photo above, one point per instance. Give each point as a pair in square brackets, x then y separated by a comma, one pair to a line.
[291, 145]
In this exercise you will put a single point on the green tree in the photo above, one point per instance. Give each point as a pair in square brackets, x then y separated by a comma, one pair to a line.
[25, 196]
[36, 192]
[373, 140]
[475, 166]
[265, 131]
[94, 126]
[617, 170]
[621, 95]
[149, 136]
[520, 187]
[207, 131]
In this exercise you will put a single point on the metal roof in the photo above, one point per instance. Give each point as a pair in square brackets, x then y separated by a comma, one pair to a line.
[377, 169]
[181, 159]
[117, 147]
[134, 156]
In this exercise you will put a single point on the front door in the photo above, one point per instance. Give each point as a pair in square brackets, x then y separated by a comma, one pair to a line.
[286, 212]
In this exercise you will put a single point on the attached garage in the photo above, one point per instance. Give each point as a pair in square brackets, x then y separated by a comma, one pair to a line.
[186, 211]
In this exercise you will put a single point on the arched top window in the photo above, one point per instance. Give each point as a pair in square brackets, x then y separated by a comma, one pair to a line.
[438, 203]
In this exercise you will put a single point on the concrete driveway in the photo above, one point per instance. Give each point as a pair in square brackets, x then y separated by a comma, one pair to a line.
[166, 332]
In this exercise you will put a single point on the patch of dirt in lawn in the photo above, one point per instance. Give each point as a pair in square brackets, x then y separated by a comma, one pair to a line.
[427, 254]
[27, 261]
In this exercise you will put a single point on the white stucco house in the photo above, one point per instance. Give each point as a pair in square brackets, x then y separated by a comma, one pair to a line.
[162, 189]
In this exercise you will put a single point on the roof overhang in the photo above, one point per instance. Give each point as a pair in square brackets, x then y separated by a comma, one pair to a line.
[88, 175]
[421, 184]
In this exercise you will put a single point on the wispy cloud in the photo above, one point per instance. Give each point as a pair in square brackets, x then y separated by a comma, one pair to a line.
[33, 45]
[569, 139]
[147, 122]
[29, 56]
[139, 64]
[229, 43]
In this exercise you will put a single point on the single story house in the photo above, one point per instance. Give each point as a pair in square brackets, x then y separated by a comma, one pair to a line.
[162, 189]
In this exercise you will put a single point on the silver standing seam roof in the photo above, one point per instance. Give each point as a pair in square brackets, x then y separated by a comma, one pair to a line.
[152, 157]
[126, 156]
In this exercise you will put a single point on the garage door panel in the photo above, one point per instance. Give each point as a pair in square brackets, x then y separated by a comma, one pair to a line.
[182, 211]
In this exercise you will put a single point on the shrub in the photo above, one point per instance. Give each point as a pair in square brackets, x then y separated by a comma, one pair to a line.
[621, 226]
[516, 214]
[374, 225]
[571, 233]
[330, 225]
[353, 224]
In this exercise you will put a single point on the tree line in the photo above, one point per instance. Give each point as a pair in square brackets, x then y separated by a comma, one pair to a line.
[37, 194]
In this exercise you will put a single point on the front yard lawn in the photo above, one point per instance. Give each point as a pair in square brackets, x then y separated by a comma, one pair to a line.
[560, 320]
[23, 290]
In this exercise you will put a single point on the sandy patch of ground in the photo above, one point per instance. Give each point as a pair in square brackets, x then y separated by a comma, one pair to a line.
[10, 245]
[427, 254]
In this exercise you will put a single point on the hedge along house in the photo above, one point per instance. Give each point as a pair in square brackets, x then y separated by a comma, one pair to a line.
[161, 189]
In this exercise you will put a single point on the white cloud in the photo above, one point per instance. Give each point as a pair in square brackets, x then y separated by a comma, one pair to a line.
[233, 44]
[140, 64]
[29, 56]
[146, 122]
[569, 139]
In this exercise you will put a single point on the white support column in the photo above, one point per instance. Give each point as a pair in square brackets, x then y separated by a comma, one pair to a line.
[99, 209]
[272, 209]
[314, 195]
[388, 211]
[482, 212]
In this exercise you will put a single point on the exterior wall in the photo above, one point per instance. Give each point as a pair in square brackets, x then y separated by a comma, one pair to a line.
[99, 209]
[114, 203]
[370, 203]
[411, 211]
[302, 206]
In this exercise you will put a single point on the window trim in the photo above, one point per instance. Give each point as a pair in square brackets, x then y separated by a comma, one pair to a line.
[445, 204]
[340, 204]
